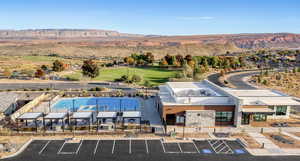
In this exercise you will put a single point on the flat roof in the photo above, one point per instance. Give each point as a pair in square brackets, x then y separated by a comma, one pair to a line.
[255, 93]
[30, 115]
[131, 114]
[196, 89]
[107, 114]
[82, 115]
[56, 115]
[270, 101]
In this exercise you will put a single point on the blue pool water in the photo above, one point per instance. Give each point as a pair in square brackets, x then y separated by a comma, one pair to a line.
[92, 103]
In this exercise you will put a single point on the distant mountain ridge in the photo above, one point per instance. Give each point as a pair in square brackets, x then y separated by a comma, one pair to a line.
[61, 34]
[115, 38]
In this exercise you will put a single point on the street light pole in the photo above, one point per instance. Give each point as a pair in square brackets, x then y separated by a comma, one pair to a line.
[183, 130]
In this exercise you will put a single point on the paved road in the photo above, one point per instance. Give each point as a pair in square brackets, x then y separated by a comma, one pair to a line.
[135, 150]
[58, 86]
[238, 82]
[215, 79]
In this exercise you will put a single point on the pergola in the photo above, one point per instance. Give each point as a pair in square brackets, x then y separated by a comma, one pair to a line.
[33, 116]
[132, 115]
[102, 116]
[88, 116]
[56, 116]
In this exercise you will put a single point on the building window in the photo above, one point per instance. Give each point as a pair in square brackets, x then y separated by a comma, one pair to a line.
[179, 119]
[260, 117]
[281, 110]
[224, 116]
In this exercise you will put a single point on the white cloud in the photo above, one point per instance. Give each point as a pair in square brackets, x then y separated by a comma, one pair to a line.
[196, 18]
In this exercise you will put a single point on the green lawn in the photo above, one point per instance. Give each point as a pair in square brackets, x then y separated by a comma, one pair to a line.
[155, 75]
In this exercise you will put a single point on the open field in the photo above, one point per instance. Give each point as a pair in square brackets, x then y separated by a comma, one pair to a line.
[286, 82]
[30, 62]
[113, 48]
[153, 74]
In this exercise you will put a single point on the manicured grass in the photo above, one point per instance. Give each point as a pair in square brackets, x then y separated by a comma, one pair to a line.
[153, 74]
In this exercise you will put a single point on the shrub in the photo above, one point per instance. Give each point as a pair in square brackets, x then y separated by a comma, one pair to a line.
[136, 78]
[58, 66]
[179, 75]
[39, 73]
[147, 83]
[265, 82]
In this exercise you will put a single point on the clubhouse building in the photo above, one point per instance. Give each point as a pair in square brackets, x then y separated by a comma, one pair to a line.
[205, 104]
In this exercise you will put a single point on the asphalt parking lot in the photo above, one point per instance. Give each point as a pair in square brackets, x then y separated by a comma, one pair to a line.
[137, 150]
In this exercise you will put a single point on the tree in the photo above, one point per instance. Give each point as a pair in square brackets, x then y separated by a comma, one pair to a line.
[214, 61]
[188, 58]
[179, 59]
[130, 61]
[136, 78]
[90, 69]
[169, 59]
[187, 70]
[163, 62]
[149, 58]
[44, 67]
[39, 73]
[58, 66]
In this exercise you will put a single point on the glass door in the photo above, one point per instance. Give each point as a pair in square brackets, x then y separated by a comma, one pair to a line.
[245, 119]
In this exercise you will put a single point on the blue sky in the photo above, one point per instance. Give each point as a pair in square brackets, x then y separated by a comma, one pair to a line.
[164, 17]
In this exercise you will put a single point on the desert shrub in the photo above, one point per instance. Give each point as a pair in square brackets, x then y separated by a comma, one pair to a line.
[136, 78]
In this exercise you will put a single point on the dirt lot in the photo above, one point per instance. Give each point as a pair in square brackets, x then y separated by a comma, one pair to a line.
[297, 134]
[295, 145]
[291, 123]
[250, 141]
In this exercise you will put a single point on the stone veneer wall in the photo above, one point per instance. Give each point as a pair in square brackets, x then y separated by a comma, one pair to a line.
[200, 118]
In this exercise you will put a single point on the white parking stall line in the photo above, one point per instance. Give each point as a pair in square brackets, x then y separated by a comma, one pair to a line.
[179, 147]
[79, 147]
[162, 144]
[60, 149]
[113, 148]
[130, 146]
[96, 147]
[44, 147]
[147, 149]
[196, 147]
[211, 145]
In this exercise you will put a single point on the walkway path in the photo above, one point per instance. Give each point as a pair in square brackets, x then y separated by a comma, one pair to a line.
[269, 146]
[291, 135]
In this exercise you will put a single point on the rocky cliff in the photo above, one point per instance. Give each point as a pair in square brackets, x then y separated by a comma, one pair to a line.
[114, 38]
[60, 34]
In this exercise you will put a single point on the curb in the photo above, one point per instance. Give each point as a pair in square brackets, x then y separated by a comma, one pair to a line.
[19, 151]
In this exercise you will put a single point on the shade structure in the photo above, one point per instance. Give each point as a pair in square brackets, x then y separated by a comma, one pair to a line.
[56, 115]
[30, 116]
[82, 115]
[102, 116]
[87, 116]
[107, 115]
[131, 114]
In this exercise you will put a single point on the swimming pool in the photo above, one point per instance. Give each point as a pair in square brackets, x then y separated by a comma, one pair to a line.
[92, 103]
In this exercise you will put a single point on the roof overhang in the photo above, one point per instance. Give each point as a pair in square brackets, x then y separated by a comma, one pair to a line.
[258, 110]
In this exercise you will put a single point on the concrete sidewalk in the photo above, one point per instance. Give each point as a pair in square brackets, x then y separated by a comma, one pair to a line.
[269, 147]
